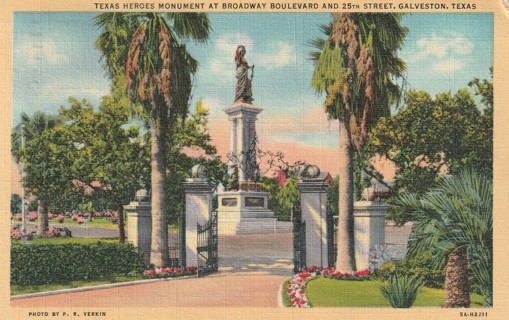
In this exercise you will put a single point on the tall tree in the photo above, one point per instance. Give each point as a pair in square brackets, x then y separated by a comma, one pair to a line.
[355, 68]
[189, 144]
[107, 156]
[451, 133]
[158, 77]
[35, 126]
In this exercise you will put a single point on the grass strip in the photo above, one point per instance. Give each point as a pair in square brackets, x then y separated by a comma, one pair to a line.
[323, 292]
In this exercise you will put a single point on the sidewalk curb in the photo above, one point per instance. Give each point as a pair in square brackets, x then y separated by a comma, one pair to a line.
[98, 287]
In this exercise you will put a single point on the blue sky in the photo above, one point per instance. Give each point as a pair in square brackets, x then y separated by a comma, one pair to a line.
[55, 57]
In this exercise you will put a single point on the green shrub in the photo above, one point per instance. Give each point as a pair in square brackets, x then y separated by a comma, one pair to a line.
[36, 264]
[420, 265]
[402, 290]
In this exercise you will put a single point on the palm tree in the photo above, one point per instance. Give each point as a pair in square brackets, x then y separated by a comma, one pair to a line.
[455, 221]
[34, 126]
[355, 67]
[158, 77]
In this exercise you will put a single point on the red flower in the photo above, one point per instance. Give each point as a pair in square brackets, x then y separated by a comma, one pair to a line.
[362, 273]
[304, 275]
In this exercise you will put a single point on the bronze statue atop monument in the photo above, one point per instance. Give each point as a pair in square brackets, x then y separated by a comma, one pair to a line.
[243, 91]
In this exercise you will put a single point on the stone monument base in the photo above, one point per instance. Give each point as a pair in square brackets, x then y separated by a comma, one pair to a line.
[244, 212]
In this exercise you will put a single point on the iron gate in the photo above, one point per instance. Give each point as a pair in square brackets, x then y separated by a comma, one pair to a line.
[207, 246]
[299, 241]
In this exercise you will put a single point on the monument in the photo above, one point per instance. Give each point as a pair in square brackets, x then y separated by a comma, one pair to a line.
[243, 209]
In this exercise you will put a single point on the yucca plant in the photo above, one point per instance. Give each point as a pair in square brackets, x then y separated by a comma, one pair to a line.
[401, 291]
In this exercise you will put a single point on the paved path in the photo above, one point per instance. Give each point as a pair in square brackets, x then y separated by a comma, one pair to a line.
[219, 290]
[251, 270]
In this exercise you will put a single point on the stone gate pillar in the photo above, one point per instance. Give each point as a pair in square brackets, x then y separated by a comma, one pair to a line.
[369, 217]
[139, 227]
[314, 213]
[198, 210]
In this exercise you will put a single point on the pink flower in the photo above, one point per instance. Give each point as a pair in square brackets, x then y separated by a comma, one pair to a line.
[32, 216]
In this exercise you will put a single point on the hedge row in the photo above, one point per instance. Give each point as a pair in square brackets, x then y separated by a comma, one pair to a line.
[37, 264]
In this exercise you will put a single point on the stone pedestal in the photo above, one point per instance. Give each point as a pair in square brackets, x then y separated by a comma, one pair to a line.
[139, 228]
[242, 117]
[314, 213]
[245, 212]
[369, 217]
[198, 211]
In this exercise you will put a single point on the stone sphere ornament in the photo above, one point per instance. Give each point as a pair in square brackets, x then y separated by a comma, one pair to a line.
[198, 171]
[311, 171]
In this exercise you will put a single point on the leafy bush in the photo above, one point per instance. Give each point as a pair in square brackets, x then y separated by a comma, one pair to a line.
[36, 264]
[420, 265]
[402, 290]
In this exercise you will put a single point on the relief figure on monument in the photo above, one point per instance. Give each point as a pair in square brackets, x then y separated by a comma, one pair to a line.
[243, 92]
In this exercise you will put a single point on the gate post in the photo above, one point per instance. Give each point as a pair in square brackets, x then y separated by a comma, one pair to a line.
[139, 228]
[198, 211]
[369, 217]
[314, 214]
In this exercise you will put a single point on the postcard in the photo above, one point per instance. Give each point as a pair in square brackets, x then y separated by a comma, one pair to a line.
[254, 159]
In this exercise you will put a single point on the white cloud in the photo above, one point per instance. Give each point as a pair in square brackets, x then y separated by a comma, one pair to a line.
[442, 53]
[41, 52]
[442, 46]
[285, 55]
[221, 68]
[228, 43]
[447, 66]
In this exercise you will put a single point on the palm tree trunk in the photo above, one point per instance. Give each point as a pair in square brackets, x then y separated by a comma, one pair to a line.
[42, 215]
[457, 287]
[345, 260]
[121, 224]
[159, 255]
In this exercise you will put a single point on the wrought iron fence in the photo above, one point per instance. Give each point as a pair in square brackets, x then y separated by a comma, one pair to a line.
[176, 243]
[207, 246]
[174, 247]
[332, 239]
[299, 240]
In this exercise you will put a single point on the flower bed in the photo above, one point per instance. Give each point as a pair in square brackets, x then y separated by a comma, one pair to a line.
[169, 272]
[358, 275]
[296, 289]
[17, 234]
[297, 285]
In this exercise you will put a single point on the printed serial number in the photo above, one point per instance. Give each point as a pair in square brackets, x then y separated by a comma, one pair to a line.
[473, 314]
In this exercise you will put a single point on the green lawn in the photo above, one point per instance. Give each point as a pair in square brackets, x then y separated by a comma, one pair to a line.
[96, 222]
[323, 292]
[17, 289]
[286, 297]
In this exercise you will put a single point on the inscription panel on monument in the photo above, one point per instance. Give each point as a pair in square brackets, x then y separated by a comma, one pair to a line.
[254, 202]
[229, 202]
